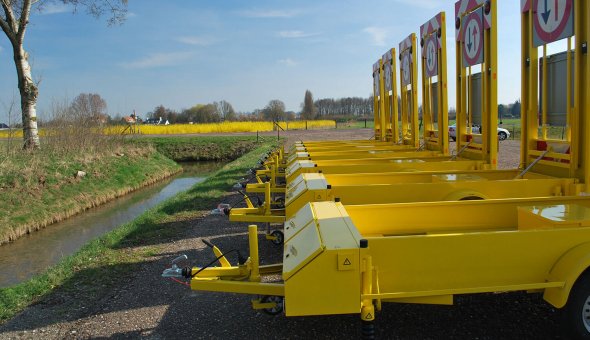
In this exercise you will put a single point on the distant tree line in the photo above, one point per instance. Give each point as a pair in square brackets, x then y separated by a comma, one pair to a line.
[349, 106]
[93, 108]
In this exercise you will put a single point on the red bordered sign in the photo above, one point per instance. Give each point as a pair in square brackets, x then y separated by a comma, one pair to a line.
[552, 20]
[431, 57]
[473, 38]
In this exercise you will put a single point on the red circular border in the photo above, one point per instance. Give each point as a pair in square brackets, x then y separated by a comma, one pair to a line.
[478, 18]
[545, 36]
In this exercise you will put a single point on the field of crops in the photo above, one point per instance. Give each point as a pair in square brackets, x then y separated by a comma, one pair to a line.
[180, 129]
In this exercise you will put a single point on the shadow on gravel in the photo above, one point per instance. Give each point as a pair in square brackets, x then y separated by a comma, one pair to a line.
[174, 311]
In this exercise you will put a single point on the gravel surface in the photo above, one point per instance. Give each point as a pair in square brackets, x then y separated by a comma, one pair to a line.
[142, 304]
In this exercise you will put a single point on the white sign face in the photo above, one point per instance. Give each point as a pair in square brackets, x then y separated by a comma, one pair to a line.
[431, 56]
[387, 70]
[406, 68]
[473, 38]
[552, 20]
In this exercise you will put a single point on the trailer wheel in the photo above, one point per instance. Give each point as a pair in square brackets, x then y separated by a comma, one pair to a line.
[577, 310]
[279, 237]
[278, 309]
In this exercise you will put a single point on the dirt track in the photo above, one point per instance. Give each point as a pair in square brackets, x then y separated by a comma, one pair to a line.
[142, 304]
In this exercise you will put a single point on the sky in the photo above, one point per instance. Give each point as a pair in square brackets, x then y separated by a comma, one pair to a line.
[182, 53]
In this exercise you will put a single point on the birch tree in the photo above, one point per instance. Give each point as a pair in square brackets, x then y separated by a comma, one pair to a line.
[14, 18]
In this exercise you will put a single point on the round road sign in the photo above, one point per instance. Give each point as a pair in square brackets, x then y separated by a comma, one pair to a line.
[431, 56]
[473, 38]
[406, 69]
[387, 70]
[552, 20]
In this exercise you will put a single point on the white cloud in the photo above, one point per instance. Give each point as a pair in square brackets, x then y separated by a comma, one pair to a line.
[427, 4]
[196, 40]
[54, 8]
[158, 60]
[296, 34]
[288, 62]
[269, 13]
[377, 34]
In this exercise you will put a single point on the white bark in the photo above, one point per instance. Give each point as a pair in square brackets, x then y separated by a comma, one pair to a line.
[15, 29]
[28, 93]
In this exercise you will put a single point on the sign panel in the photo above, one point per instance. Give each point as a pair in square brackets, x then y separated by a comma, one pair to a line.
[553, 20]
[387, 57]
[376, 79]
[406, 68]
[431, 51]
[473, 38]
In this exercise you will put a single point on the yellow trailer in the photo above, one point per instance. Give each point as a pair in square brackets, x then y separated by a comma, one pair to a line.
[350, 259]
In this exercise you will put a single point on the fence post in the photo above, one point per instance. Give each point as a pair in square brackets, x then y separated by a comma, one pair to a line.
[365, 123]
[256, 136]
[306, 125]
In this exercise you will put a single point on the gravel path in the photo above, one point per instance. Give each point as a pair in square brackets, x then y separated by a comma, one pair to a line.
[142, 304]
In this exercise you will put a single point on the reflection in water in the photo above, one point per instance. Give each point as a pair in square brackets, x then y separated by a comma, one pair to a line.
[32, 254]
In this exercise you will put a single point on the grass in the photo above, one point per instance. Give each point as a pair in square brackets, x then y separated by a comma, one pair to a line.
[103, 260]
[202, 148]
[41, 187]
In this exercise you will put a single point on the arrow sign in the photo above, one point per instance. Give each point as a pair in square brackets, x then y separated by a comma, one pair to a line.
[547, 12]
[405, 66]
[431, 56]
[473, 38]
[553, 20]
[470, 43]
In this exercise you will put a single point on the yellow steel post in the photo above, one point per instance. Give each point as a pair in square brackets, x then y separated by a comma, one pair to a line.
[434, 31]
[582, 87]
[382, 98]
[492, 84]
[390, 96]
[409, 91]
[483, 14]
[415, 125]
[376, 105]
[565, 157]
[254, 259]
[394, 99]
[267, 198]
[367, 307]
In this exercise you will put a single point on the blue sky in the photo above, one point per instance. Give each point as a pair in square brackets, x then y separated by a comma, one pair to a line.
[182, 53]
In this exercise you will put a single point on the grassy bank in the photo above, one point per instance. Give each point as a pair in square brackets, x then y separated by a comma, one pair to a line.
[206, 148]
[99, 263]
[42, 187]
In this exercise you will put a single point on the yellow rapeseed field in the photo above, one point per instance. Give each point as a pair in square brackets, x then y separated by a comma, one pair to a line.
[225, 127]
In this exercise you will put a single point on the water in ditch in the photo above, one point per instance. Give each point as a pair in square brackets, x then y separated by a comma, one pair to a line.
[34, 253]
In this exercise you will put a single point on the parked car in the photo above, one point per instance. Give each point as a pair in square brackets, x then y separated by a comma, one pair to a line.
[4, 126]
[503, 134]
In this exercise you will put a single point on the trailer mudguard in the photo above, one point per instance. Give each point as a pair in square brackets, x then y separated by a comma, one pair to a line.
[567, 269]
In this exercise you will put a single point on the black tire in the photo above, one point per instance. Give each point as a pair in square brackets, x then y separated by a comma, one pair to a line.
[278, 309]
[280, 237]
[576, 313]
[502, 135]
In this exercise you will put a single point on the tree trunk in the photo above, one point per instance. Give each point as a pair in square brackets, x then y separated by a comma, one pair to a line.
[28, 93]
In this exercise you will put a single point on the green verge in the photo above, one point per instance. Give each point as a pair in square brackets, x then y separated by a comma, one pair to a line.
[103, 261]
[41, 188]
[201, 148]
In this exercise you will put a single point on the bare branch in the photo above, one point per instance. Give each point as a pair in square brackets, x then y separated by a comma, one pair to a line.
[24, 20]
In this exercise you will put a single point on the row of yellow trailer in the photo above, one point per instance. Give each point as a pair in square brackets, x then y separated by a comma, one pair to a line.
[400, 219]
